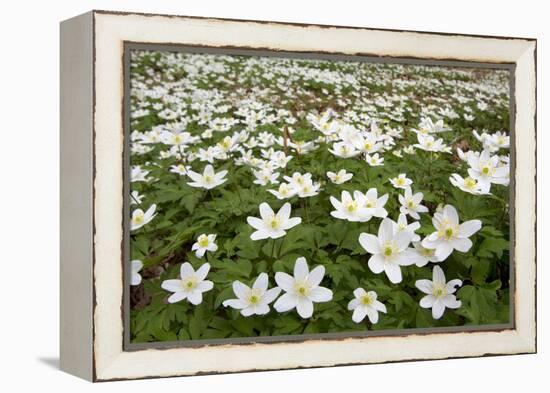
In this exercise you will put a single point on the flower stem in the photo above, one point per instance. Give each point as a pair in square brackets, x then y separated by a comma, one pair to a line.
[281, 247]
[137, 202]
[272, 248]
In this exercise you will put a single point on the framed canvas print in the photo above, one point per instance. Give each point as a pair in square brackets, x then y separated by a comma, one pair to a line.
[245, 195]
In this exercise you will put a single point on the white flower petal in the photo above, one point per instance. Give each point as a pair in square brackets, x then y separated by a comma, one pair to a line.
[438, 276]
[427, 301]
[438, 309]
[186, 270]
[320, 295]
[171, 285]
[286, 302]
[195, 297]
[393, 271]
[202, 272]
[266, 211]
[304, 307]
[235, 303]
[425, 286]
[468, 228]
[285, 281]
[359, 314]
[369, 243]
[177, 297]
[301, 270]
[261, 282]
[451, 302]
[462, 245]
[284, 212]
[270, 295]
[372, 314]
[316, 275]
[376, 263]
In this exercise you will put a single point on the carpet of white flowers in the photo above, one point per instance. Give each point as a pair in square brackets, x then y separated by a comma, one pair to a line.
[277, 196]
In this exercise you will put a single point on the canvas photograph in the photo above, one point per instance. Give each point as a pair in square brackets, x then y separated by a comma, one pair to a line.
[285, 196]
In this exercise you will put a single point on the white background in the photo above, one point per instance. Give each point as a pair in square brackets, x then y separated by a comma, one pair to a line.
[29, 197]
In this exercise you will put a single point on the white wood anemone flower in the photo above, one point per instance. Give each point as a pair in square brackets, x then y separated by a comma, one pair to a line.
[208, 180]
[191, 284]
[265, 177]
[450, 234]
[136, 266]
[401, 181]
[389, 250]
[285, 191]
[374, 159]
[140, 218]
[302, 290]
[348, 208]
[410, 203]
[137, 174]
[486, 170]
[468, 184]
[255, 300]
[439, 293]
[205, 243]
[372, 203]
[271, 225]
[365, 304]
[339, 178]
[429, 143]
[179, 169]
[403, 226]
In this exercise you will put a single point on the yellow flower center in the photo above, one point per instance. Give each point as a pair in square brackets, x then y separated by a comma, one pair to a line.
[351, 207]
[388, 251]
[138, 219]
[208, 179]
[253, 299]
[368, 146]
[274, 222]
[470, 183]
[254, 296]
[486, 170]
[366, 300]
[203, 241]
[426, 252]
[439, 291]
[400, 181]
[189, 283]
[447, 232]
[410, 204]
[302, 288]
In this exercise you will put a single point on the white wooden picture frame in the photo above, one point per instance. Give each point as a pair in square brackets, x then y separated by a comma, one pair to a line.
[92, 181]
